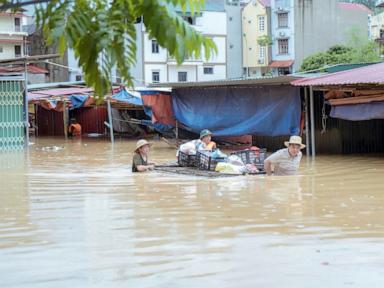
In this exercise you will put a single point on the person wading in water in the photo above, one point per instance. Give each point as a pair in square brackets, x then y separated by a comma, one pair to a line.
[285, 161]
[140, 158]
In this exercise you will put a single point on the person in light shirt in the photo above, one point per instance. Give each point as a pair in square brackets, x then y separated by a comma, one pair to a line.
[285, 161]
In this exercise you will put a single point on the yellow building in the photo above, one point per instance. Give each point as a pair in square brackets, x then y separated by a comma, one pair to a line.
[256, 26]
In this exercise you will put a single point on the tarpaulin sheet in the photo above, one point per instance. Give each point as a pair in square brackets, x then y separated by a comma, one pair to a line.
[126, 97]
[157, 126]
[234, 111]
[359, 112]
[161, 105]
[77, 101]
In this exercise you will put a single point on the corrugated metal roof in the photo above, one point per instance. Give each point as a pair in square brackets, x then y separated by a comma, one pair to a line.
[273, 80]
[35, 95]
[372, 74]
[354, 6]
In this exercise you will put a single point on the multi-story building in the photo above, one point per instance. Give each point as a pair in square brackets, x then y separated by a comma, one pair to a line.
[256, 30]
[377, 30]
[299, 29]
[233, 9]
[154, 64]
[12, 38]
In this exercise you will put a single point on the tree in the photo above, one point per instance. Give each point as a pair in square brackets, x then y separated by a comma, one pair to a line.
[102, 33]
[359, 50]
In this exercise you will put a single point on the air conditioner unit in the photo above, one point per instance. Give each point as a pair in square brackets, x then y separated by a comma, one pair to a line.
[280, 8]
[260, 61]
[282, 34]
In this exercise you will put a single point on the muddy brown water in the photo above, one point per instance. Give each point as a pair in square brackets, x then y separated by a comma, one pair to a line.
[73, 215]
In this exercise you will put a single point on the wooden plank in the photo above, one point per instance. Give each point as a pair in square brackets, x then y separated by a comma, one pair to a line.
[356, 100]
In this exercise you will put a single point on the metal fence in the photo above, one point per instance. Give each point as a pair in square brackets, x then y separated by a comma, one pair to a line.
[12, 129]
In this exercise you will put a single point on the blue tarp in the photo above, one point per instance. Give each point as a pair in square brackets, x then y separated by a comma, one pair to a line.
[77, 101]
[359, 112]
[125, 96]
[234, 111]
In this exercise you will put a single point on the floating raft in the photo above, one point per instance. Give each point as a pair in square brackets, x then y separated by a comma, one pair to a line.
[193, 171]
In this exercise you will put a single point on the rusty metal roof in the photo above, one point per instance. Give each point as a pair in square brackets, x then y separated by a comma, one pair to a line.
[372, 74]
[272, 80]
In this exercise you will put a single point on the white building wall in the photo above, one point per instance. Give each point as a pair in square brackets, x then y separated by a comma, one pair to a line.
[219, 72]
[221, 56]
[212, 23]
[191, 72]
[161, 68]
[279, 33]
[153, 57]
[8, 51]
[7, 24]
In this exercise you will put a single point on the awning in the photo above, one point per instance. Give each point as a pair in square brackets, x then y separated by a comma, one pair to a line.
[281, 64]
[372, 74]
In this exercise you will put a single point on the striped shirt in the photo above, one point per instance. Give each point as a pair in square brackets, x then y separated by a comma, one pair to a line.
[284, 163]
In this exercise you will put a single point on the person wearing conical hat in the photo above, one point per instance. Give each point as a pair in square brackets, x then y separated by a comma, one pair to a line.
[140, 161]
[285, 161]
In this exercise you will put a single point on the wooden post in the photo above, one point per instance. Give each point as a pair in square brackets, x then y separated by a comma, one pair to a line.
[307, 141]
[65, 119]
[26, 115]
[177, 130]
[110, 120]
[313, 148]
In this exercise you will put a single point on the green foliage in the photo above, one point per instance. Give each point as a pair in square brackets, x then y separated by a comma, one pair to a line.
[102, 33]
[359, 50]
[265, 40]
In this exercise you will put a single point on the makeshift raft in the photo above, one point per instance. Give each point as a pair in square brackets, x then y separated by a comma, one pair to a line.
[193, 171]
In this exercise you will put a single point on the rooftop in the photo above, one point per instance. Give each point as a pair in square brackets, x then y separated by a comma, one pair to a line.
[372, 75]
[355, 6]
[273, 80]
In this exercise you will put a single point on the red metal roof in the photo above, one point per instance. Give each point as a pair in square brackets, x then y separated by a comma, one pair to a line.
[354, 6]
[11, 41]
[265, 3]
[371, 74]
[281, 64]
[31, 69]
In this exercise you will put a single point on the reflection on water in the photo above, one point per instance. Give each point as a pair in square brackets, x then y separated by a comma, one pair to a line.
[75, 216]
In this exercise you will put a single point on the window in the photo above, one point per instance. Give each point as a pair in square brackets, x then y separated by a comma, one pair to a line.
[155, 47]
[155, 76]
[282, 20]
[261, 23]
[182, 76]
[190, 20]
[17, 51]
[17, 25]
[208, 70]
[1, 49]
[79, 78]
[262, 52]
[283, 46]
[283, 71]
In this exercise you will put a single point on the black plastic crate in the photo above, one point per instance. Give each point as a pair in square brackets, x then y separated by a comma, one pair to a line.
[256, 157]
[205, 161]
[186, 160]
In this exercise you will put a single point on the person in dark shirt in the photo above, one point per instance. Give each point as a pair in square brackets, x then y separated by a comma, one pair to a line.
[140, 158]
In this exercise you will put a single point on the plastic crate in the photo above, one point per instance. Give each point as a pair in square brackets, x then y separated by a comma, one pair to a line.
[205, 161]
[186, 160]
[252, 157]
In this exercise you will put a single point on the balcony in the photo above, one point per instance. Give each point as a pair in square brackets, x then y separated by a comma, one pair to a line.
[379, 3]
[187, 61]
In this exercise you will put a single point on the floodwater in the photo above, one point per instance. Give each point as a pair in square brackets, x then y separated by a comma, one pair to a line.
[73, 215]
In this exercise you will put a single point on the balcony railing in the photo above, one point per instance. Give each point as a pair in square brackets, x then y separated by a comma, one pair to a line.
[380, 3]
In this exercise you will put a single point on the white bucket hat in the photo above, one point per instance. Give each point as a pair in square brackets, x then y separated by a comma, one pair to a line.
[295, 140]
[142, 143]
